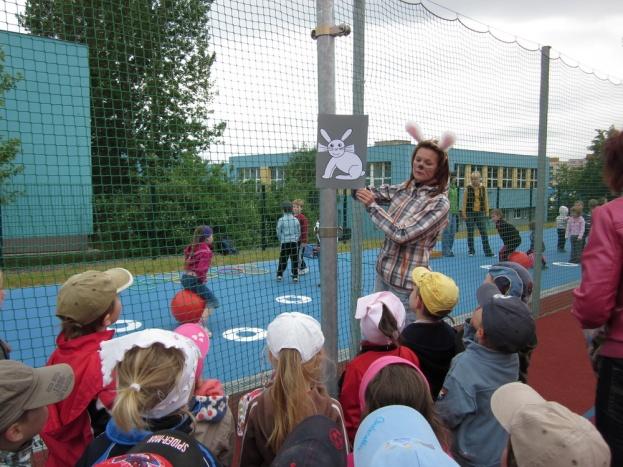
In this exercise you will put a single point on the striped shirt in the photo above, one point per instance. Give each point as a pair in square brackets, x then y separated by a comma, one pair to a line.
[411, 224]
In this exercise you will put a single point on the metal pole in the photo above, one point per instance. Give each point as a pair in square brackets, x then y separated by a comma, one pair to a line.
[540, 189]
[328, 207]
[357, 238]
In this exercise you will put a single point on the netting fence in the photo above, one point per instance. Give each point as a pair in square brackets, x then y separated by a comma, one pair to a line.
[127, 124]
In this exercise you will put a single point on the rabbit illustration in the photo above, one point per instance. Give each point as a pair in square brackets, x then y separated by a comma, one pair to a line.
[342, 157]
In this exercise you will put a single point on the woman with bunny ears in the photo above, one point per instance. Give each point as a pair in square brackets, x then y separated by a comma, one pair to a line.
[266, 416]
[417, 212]
[381, 318]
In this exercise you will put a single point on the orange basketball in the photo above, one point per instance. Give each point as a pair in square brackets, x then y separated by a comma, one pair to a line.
[520, 257]
[187, 306]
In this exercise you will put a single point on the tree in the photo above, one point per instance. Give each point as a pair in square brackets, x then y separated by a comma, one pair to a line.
[586, 182]
[151, 88]
[10, 147]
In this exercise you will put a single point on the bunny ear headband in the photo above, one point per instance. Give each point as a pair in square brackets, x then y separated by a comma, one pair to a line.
[445, 142]
[113, 351]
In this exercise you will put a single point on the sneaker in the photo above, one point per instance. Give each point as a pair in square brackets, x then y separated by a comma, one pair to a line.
[489, 255]
[303, 271]
[448, 255]
[295, 279]
[470, 254]
[279, 278]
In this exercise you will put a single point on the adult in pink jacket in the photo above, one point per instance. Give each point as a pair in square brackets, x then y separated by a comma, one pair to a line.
[599, 300]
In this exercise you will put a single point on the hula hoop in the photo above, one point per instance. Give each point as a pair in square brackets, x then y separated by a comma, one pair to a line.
[230, 271]
[146, 283]
[254, 270]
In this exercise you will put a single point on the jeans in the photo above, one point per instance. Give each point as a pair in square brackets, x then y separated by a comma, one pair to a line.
[288, 250]
[609, 406]
[447, 237]
[478, 219]
[192, 283]
[577, 245]
[561, 239]
[302, 264]
[403, 294]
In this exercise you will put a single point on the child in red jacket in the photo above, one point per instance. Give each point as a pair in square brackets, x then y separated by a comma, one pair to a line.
[382, 318]
[86, 304]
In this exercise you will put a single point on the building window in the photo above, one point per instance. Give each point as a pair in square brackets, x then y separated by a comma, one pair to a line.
[517, 214]
[507, 177]
[246, 174]
[522, 180]
[277, 175]
[533, 179]
[459, 170]
[492, 177]
[379, 173]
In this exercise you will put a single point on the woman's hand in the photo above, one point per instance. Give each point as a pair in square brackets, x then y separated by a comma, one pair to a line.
[365, 196]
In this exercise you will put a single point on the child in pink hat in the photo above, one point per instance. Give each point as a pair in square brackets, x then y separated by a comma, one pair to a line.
[381, 317]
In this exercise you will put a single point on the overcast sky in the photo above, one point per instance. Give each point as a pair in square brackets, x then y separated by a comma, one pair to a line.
[589, 32]
[418, 67]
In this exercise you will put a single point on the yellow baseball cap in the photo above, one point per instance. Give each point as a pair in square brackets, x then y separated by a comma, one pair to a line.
[439, 292]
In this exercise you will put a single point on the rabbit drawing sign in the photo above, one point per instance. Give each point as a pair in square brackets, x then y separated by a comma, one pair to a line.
[342, 146]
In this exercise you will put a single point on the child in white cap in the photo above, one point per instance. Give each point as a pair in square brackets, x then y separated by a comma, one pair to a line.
[296, 392]
[381, 318]
[87, 304]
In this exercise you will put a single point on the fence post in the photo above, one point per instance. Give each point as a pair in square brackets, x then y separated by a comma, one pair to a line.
[328, 209]
[263, 217]
[540, 189]
[356, 243]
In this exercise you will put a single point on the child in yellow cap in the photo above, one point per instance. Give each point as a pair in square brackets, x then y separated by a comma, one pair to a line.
[431, 338]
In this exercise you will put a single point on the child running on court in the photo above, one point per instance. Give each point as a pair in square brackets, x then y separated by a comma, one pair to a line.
[381, 318]
[508, 233]
[197, 261]
[502, 325]
[155, 374]
[25, 393]
[531, 251]
[268, 415]
[86, 304]
[297, 208]
[430, 337]
[288, 233]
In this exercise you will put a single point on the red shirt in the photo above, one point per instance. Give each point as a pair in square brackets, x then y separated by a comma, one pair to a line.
[304, 227]
[68, 432]
[353, 373]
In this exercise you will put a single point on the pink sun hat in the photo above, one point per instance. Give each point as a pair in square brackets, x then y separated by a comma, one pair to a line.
[200, 337]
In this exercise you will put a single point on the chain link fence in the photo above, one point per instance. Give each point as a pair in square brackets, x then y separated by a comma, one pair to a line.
[125, 125]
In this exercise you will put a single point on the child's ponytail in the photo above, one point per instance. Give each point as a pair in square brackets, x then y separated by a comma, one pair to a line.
[144, 377]
[290, 392]
[389, 326]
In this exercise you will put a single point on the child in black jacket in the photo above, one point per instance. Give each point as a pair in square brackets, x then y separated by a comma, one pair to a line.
[508, 233]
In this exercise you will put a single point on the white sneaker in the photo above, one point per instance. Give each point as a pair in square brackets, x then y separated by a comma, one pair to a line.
[303, 271]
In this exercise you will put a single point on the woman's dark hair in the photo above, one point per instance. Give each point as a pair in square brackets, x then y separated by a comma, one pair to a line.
[388, 325]
[403, 385]
[613, 162]
[440, 180]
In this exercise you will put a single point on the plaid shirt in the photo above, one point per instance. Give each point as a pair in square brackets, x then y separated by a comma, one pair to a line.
[34, 454]
[411, 225]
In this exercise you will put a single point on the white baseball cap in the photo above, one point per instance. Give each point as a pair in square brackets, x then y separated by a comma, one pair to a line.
[295, 331]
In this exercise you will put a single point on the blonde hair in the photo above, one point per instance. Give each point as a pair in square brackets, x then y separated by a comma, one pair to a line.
[156, 370]
[290, 392]
[298, 202]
